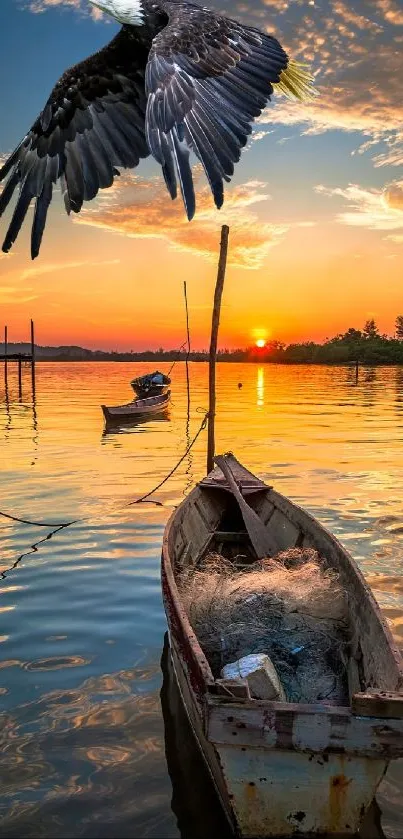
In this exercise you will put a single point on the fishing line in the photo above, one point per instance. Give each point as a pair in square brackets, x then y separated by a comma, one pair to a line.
[34, 549]
[57, 526]
[177, 359]
[143, 497]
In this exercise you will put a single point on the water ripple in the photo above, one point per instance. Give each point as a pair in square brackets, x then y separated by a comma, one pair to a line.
[81, 616]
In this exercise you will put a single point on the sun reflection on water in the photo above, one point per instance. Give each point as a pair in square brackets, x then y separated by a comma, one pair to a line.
[260, 387]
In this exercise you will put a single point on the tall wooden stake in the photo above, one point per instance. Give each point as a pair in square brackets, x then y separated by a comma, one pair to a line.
[5, 360]
[188, 349]
[33, 358]
[215, 322]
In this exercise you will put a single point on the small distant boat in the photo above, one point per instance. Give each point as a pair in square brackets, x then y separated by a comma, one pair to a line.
[138, 410]
[282, 768]
[152, 384]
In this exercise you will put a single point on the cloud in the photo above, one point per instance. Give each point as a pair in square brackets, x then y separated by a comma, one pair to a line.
[142, 209]
[5, 291]
[11, 296]
[350, 106]
[349, 16]
[50, 268]
[391, 11]
[355, 53]
[393, 195]
[375, 209]
[40, 6]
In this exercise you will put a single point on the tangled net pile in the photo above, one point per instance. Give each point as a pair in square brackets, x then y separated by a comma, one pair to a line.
[289, 607]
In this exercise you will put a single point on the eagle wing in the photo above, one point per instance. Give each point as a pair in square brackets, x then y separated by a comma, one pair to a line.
[94, 121]
[207, 79]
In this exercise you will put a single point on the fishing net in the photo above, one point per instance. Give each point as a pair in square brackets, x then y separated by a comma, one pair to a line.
[290, 607]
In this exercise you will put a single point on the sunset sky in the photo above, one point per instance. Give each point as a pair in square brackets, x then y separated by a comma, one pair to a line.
[315, 207]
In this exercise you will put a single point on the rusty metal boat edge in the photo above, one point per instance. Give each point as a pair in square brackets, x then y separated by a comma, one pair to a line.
[285, 769]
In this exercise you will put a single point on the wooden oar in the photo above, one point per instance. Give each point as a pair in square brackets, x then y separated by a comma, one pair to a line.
[258, 534]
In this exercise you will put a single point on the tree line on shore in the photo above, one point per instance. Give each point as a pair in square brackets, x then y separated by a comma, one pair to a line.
[367, 346]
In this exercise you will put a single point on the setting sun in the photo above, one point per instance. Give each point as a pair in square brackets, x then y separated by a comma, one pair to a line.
[261, 342]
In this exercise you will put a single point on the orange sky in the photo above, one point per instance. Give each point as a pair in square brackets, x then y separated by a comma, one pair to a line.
[315, 209]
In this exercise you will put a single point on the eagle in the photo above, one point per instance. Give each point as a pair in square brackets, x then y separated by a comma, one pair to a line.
[176, 79]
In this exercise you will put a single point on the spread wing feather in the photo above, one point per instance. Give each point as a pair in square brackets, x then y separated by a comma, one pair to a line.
[207, 79]
[92, 123]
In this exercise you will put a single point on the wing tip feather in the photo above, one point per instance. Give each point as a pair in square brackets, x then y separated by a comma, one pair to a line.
[296, 82]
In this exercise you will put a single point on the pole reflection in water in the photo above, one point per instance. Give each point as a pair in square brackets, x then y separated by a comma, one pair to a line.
[260, 387]
[194, 799]
[8, 412]
[35, 430]
[17, 415]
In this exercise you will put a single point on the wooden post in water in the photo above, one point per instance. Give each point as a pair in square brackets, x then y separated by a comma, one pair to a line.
[356, 371]
[215, 322]
[188, 349]
[33, 358]
[5, 359]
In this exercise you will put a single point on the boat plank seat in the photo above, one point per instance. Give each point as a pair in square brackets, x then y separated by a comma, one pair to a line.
[376, 703]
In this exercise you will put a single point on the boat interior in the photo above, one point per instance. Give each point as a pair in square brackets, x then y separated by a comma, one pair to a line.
[210, 521]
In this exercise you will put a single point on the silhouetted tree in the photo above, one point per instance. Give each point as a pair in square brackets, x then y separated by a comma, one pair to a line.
[352, 334]
[370, 329]
[399, 327]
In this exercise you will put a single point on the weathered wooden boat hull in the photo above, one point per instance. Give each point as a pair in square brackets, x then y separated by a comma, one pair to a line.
[284, 769]
[194, 798]
[137, 411]
[154, 390]
[280, 793]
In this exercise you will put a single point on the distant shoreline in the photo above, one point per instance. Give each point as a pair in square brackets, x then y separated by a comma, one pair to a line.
[367, 347]
[155, 360]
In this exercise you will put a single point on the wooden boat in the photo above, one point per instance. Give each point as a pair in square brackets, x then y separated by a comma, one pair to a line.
[138, 410]
[194, 800]
[152, 384]
[283, 769]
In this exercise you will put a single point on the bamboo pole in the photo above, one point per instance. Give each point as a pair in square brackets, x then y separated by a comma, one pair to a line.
[5, 353]
[33, 358]
[188, 349]
[215, 322]
[32, 340]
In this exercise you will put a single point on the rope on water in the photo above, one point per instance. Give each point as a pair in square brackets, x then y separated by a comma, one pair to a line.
[61, 525]
[38, 523]
[143, 497]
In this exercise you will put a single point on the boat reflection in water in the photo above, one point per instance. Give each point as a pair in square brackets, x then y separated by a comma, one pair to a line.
[134, 427]
[194, 799]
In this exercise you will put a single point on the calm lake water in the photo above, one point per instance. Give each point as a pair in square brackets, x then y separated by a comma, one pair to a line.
[83, 751]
